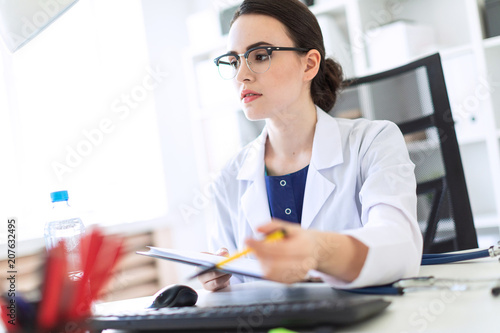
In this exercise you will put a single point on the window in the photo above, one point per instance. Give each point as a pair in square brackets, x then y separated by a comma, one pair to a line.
[77, 113]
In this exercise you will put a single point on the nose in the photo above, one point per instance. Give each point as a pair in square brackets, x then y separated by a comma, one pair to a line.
[244, 73]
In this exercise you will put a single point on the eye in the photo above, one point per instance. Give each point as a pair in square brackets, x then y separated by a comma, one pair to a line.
[262, 57]
[229, 61]
[258, 56]
[233, 62]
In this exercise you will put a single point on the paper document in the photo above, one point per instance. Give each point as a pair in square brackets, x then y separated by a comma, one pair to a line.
[240, 266]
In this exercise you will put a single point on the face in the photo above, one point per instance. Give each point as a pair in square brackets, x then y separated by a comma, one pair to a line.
[283, 87]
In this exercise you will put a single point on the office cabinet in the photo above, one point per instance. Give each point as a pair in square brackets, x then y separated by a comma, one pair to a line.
[492, 17]
[134, 275]
[353, 29]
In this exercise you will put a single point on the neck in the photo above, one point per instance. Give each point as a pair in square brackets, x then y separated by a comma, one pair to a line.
[290, 139]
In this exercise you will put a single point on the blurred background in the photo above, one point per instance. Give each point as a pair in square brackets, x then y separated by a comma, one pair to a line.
[120, 103]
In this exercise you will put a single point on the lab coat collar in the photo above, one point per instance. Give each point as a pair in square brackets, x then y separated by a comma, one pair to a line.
[253, 164]
[327, 145]
[326, 153]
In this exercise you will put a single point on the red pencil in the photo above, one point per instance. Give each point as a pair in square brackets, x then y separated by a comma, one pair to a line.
[55, 278]
[111, 252]
[80, 302]
[99, 256]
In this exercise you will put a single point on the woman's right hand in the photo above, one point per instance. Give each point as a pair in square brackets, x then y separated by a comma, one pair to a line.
[215, 280]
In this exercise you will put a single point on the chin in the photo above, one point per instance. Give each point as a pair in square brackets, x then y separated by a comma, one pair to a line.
[253, 115]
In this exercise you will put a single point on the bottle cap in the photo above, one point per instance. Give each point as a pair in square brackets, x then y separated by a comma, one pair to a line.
[59, 196]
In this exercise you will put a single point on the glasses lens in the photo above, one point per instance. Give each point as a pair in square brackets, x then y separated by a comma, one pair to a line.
[259, 60]
[228, 66]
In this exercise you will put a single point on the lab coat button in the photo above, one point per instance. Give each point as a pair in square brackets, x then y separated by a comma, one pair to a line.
[288, 211]
[283, 182]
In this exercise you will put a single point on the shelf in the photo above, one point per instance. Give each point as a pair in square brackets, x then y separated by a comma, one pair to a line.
[486, 221]
[471, 140]
[422, 146]
[482, 221]
[446, 54]
[31, 244]
[456, 51]
[470, 133]
[492, 42]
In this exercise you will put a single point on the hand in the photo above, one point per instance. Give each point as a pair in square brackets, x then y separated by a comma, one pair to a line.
[215, 280]
[287, 260]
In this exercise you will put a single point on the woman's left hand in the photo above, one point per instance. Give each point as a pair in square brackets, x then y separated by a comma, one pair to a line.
[287, 260]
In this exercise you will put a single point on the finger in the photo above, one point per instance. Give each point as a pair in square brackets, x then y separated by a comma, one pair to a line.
[214, 280]
[212, 275]
[270, 227]
[219, 283]
[263, 248]
[277, 224]
[222, 252]
[252, 243]
[222, 279]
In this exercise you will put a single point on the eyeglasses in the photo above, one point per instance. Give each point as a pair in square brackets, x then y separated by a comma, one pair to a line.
[258, 60]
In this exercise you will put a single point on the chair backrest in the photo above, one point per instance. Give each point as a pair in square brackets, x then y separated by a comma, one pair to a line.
[414, 97]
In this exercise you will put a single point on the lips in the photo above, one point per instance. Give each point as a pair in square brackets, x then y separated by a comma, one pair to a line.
[248, 96]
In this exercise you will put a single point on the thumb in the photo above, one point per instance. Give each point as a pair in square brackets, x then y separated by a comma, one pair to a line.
[272, 226]
[252, 243]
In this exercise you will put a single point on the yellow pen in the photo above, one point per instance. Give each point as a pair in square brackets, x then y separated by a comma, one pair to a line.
[273, 236]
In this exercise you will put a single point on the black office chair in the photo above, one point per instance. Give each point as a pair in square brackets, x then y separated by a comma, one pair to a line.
[414, 97]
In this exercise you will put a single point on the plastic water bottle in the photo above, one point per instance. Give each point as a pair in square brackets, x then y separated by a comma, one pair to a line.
[65, 226]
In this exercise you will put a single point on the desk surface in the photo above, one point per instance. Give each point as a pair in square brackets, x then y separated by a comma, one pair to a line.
[442, 310]
[468, 311]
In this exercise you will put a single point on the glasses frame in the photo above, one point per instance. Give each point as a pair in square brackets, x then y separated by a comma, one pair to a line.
[269, 49]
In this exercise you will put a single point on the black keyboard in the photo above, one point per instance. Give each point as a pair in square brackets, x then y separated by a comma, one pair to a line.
[244, 318]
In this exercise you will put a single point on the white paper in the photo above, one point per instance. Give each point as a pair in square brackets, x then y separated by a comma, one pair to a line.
[241, 266]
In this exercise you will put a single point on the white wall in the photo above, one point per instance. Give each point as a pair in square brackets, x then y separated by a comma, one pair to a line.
[167, 39]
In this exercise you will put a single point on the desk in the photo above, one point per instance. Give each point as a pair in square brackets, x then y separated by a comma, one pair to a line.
[468, 311]
[471, 311]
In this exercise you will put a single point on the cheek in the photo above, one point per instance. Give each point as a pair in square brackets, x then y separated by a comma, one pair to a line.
[236, 85]
[289, 71]
[286, 82]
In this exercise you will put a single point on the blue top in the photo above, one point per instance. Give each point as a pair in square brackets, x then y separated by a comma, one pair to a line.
[286, 195]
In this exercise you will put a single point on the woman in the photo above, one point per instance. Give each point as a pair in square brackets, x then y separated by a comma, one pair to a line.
[343, 190]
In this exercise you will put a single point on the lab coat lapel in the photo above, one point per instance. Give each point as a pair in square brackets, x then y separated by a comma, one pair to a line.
[326, 153]
[254, 201]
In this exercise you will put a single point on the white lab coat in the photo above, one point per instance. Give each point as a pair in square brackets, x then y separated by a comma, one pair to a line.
[360, 182]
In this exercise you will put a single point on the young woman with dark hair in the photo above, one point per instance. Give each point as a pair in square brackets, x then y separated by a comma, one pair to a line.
[343, 190]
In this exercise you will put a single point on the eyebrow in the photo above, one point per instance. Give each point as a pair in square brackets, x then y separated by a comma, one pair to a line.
[251, 46]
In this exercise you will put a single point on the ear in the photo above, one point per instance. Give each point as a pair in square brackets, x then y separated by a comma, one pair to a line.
[312, 61]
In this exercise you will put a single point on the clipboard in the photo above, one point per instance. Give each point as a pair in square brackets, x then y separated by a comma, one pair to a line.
[241, 266]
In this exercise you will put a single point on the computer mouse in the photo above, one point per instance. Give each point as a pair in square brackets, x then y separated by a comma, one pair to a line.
[175, 295]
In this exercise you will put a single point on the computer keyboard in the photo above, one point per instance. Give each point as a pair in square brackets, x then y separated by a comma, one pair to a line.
[244, 318]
